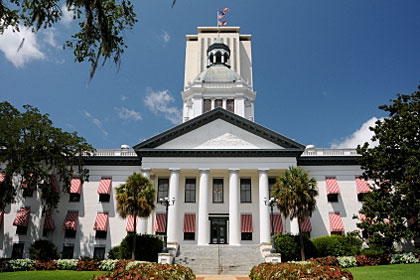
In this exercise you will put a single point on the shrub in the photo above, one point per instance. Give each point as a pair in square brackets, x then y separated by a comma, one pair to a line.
[330, 260]
[115, 253]
[107, 265]
[19, 265]
[150, 271]
[291, 271]
[372, 259]
[147, 247]
[337, 245]
[289, 247]
[88, 265]
[133, 264]
[347, 261]
[372, 251]
[48, 265]
[43, 250]
[67, 264]
[121, 264]
[404, 258]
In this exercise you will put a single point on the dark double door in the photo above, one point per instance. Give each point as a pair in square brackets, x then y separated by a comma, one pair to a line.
[218, 231]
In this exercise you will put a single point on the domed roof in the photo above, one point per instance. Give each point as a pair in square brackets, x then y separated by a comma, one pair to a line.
[218, 73]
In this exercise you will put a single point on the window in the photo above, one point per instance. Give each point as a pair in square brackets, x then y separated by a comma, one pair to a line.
[245, 190]
[246, 235]
[67, 252]
[69, 233]
[189, 235]
[28, 192]
[230, 105]
[163, 189]
[218, 103]
[100, 234]
[332, 197]
[271, 182]
[337, 233]
[206, 105]
[217, 190]
[104, 197]
[74, 197]
[360, 197]
[190, 187]
[21, 230]
[99, 253]
[17, 250]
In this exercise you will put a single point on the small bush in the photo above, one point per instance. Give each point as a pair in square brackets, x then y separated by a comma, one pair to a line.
[289, 247]
[67, 264]
[107, 265]
[88, 265]
[372, 259]
[150, 271]
[347, 261]
[404, 258]
[115, 253]
[19, 265]
[332, 261]
[292, 271]
[43, 250]
[372, 251]
[133, 264]
[48, 265]
[337, 245]
[121, 264]
[147, 247]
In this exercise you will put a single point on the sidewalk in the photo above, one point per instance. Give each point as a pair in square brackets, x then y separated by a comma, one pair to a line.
[222, 277]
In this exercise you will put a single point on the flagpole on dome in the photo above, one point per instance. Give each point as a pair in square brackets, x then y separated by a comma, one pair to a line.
[217, 23]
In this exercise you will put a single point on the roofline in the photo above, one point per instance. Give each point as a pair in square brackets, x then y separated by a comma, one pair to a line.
[219, 153]
[327, 160]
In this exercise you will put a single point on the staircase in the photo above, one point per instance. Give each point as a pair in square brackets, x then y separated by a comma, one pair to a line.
[219, 259]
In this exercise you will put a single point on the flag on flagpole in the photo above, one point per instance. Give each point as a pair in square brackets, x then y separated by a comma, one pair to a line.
[221, 23]
[222, 13]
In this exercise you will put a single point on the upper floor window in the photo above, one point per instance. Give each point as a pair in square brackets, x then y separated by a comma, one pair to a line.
[245, 190]
[230, 105]
[206, 105]
[190, 188]
[217, 190]
[271, 182]
[218, 103]
[163, 189]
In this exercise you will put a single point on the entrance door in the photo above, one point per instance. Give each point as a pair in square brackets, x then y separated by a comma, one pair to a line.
[218, 234]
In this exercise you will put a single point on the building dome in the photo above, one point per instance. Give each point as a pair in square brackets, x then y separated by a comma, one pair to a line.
[218, 73]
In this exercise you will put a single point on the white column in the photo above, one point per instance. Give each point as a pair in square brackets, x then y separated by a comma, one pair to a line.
[224, 104]
[173, 223]
[234, 221]
[143, 221]
[212, 104]
[265, 230]
[203, 208]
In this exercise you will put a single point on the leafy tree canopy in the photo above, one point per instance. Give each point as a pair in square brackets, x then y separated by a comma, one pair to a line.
[393, 205]
[102, 24]
[33, 153]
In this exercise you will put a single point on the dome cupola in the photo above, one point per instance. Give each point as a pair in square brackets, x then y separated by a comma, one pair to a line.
[218, 53]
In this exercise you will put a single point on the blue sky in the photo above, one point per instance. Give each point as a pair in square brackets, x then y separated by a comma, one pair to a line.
[321, 68]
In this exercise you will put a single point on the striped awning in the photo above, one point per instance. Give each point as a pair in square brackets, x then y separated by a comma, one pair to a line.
[75, 185]
[306, 225]
[189, 223]
[48, 222]
[160, 222]
[55, 183]
[70, 222]
[246, 223]
[1, 217]
[336, 223]
[1, 177]
[105, 186]
[101, 222]
[332, 185]
[130, 224]
[22, 217]
[362, 186]
[278, 224]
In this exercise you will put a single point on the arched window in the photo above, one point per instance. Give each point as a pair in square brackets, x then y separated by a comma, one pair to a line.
[218, 57]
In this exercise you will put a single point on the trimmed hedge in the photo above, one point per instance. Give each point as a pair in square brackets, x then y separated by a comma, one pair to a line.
[288, 246]
[147, 248]
[337, 245]
[43, 250]
[291, 271]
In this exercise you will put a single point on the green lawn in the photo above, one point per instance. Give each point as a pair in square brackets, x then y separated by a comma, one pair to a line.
[387, 272]
[50, 275]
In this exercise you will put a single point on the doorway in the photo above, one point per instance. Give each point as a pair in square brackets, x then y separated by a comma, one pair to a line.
[218, 230]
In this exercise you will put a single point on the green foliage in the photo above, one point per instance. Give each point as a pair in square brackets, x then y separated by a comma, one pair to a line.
[404, 258]
[288, 246]
[67, 264]
[107, 265]
[115, 253]
[36, 150]
[150, 271]
[147, 248]
[297, 271]
[43, 250]
[394, 167]
[295, 193]
[349, 261]
[18, 265]
[337, 245]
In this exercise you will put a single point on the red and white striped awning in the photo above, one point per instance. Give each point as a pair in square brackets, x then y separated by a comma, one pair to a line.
[22, 217]
[278, 224]
[75, 185]
[332, 185]
[160, 222]
[189, 223]
[55, 183]
[101, 222]
[362, 186]
[1, 177]
[105, 186]
[130, 224]
[306, 225]
[336, 223]
[1, 217]
[246, 223]
[48, 222]
[70, 222]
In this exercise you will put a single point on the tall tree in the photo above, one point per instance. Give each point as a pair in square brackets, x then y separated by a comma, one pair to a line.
[392, 208]
[295, 192]
[35, 152]
[135, 198]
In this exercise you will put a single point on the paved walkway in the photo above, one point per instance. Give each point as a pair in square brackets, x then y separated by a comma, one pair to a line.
[222, 277]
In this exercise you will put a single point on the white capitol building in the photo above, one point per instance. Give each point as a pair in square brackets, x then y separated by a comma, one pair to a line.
[218, 165]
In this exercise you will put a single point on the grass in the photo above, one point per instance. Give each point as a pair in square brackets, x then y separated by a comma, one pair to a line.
[388, 272]
[50, 275]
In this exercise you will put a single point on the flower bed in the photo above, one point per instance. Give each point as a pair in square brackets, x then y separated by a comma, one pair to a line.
[273, 271]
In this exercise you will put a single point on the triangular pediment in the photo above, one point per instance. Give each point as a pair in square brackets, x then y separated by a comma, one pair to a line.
[227, 141]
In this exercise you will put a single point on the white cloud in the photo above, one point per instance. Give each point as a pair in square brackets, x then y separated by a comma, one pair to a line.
[30, 50]
[96, 122]
[68, 15]
[359, 137]
[165, 36]
[49, 36]
[124, 98]
[127, 114]
[159, 102]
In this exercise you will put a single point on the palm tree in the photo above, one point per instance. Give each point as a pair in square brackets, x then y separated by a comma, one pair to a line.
[135, 198]
[295, 193]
